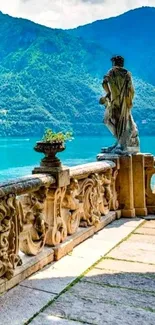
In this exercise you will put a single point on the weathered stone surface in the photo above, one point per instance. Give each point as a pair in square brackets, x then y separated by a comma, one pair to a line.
[113, 235]
[92, 250]
[149, 160]
[87, 169]
[135, 245]
[101, 243]
[71, 241]
[105, 220]
[20, 304]
[134, 252]
[139, 184]
[145, 231]
[130, 280]
[54, 278]
[25, 184]
[126, 222]
[96, 305]
[149, 224]
[121, 266]
[45, 319]
[31, 264]
[113, 295]
[99, 304]
[147, 239]
[117, 230]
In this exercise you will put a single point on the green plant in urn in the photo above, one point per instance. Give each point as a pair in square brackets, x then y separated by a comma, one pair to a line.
[50, 145]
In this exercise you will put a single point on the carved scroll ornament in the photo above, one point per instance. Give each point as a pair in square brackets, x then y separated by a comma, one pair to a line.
[71, 207]
[48, 215]
[34, 226]
[9, 236]
[57, 227]
[95, 195]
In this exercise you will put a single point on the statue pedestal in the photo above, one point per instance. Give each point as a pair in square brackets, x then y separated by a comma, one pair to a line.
[130, 184]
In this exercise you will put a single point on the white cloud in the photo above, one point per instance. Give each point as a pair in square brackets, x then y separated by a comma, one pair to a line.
[69, 13]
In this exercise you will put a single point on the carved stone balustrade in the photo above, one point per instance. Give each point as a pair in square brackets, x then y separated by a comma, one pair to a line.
[89, 194]
[96, 190]
[52, 210]
[22, 222]
[49, 214]
[45, 210]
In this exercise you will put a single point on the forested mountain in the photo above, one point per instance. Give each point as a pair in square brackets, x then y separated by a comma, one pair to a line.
[130, 34]
[52, 78]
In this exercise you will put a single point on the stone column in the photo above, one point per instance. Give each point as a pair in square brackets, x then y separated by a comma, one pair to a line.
[149, 172]
[125, 187]
[139, 185]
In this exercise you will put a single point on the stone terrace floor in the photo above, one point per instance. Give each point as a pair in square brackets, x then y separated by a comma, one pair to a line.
[108, 279]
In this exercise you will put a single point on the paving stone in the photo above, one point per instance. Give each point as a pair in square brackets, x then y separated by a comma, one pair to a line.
[128, 251]
[96, 247]
[147, 239]
[149, 224]
[44, 319]
[113, 295]
[139, 245]
[127, 280]
[71, 241]
[105, 220]
[20, 304]
[31, 264]
[95, 308]
[121, 266]
[25, 302]
[117, 230]
[92, 250]
[81, 235]
[112, 235]
[126, 222]
[145, 231]
[54, 278]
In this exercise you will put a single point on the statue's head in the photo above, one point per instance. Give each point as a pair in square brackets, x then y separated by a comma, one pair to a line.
[117, 60]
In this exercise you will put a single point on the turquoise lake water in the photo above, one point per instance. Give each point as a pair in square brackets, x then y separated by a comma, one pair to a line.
[17, 157]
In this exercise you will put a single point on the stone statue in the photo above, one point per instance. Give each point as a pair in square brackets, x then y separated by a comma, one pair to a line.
[118, 103]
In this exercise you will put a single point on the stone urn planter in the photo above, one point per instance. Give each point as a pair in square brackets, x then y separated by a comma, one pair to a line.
[50, 145]
[50, 149]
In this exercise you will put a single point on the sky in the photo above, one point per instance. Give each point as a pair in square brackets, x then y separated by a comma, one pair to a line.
[69, 13]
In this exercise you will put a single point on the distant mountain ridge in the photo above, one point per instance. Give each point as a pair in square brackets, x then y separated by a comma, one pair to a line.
[52, 78]
[130, 34]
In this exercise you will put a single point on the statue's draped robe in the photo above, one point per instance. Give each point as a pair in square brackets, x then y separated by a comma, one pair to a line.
[120, 92]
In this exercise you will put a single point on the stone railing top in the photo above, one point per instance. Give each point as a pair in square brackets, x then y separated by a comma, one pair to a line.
[25, 184]
[82, 171]
[31, 183]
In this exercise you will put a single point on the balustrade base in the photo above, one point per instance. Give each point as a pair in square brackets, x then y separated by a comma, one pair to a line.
[31, 264]
[48, 255]
[130, 213]
[105, 220]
